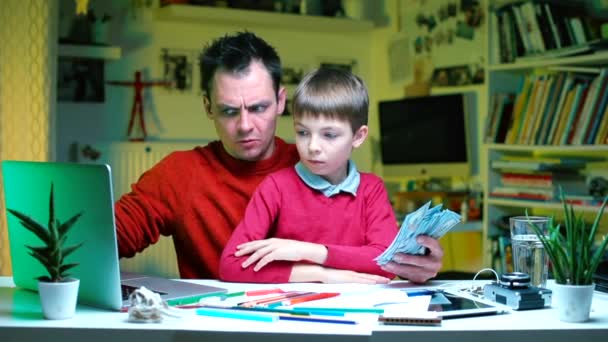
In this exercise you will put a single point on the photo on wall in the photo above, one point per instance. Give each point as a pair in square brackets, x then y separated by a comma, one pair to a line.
[80, 80]
[177, 68]
[291, 77]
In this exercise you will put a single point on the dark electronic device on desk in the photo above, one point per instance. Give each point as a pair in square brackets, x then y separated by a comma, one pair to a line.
[601, 277]
[514, 290]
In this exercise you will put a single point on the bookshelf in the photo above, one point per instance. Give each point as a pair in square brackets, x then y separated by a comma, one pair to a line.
[555, 110]
[247, 19]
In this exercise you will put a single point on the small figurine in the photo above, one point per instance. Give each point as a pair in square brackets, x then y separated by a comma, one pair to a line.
[82, 6]
[138, 104]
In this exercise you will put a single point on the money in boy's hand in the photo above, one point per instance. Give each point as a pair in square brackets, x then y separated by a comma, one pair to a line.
[425, 220]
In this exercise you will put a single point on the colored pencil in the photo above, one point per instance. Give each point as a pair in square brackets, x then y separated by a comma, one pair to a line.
[309, 298]
[343, 310]
[272, 299]
[258, 309]
[193, 299]
[316, 320]
[263, 292]
[251, 316]
[234, 294]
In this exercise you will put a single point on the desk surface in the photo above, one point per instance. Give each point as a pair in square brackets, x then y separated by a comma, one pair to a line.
[21, 320]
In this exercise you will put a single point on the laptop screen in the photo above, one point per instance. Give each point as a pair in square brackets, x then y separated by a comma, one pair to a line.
[78, 188]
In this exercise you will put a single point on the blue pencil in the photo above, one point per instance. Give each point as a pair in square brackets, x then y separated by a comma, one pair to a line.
[316, 320]
[251, 316]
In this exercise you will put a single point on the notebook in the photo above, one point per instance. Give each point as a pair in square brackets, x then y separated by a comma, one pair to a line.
[78, 188]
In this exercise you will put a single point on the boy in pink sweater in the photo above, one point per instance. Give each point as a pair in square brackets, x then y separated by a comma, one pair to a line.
[321, 220]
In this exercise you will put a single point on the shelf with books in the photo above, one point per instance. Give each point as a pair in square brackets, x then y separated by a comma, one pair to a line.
[547, 110]
[248, 19]
[522, 179]
[597, 58]
[545, 205]
[531, 30]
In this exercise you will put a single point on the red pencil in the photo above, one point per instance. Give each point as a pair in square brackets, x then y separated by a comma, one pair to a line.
[272, 299]
[309, 298]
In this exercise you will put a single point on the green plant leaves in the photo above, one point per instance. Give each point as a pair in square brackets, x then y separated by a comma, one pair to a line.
[571, 249]
[52, 255]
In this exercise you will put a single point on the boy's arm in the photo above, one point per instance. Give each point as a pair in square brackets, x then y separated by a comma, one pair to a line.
[316, 273]
[255, 225]
[380, 231]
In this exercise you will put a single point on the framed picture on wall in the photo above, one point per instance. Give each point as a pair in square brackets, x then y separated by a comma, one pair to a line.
[452, 76]
[80, 80]
[339, 63]
[292, 75]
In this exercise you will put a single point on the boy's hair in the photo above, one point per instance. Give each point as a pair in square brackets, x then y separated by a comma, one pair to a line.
[233, 54]
[333, 93]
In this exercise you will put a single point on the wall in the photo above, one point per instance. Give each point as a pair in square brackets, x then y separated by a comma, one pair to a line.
[171, 115]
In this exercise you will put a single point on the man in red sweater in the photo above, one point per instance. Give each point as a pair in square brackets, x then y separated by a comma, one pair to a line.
[198, 197]
[322, 220]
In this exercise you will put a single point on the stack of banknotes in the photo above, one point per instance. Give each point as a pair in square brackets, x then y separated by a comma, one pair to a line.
[425, 220]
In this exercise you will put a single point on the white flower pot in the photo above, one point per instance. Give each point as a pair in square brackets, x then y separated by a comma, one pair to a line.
[58, 300]
[573, 302]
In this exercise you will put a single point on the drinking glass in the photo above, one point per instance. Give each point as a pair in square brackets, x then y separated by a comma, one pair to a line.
[529, 255]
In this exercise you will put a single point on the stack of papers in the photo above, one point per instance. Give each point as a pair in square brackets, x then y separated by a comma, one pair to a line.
[433, 222]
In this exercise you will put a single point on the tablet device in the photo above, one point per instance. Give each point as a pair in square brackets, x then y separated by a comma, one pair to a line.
[448, 304]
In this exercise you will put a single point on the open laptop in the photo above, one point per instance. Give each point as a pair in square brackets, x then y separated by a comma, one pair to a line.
[78, 188]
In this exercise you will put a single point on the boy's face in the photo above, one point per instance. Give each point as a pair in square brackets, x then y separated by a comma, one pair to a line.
[325, 145]
[244, 110]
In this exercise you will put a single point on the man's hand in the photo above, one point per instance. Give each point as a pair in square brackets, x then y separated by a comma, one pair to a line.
[265, 251]
[418, 268]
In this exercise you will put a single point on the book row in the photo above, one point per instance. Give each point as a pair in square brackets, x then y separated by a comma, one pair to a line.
[532, 29]
[551, 108]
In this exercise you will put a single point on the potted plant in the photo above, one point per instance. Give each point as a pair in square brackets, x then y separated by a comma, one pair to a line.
[574, 261]
[58, 291]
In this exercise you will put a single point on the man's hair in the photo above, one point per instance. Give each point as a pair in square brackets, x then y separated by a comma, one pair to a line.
[233, 54]
[333, 93]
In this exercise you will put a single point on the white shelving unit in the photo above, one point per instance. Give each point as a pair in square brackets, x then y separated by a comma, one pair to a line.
[507, 78]
[247, 18]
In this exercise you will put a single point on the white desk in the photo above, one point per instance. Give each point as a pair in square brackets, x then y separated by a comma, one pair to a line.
[21, 320]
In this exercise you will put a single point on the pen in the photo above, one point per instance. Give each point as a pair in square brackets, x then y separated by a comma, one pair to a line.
[251, 316]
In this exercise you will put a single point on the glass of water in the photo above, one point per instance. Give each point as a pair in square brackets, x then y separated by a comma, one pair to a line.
[529, 255]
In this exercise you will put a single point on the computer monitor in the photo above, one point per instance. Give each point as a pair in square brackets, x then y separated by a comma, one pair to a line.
[424, 136]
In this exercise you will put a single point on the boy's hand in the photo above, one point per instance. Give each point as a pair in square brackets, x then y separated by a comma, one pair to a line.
[268, 250]
[418, 268]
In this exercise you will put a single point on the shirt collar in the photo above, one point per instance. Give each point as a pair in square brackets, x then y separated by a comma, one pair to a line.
[349, 184]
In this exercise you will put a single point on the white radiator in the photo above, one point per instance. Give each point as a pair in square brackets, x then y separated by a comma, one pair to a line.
[128, 161]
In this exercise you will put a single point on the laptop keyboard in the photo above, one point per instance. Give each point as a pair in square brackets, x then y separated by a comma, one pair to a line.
[127, 290]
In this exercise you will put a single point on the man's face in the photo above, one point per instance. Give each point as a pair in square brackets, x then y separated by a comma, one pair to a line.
[325, 145]
[244, 109]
